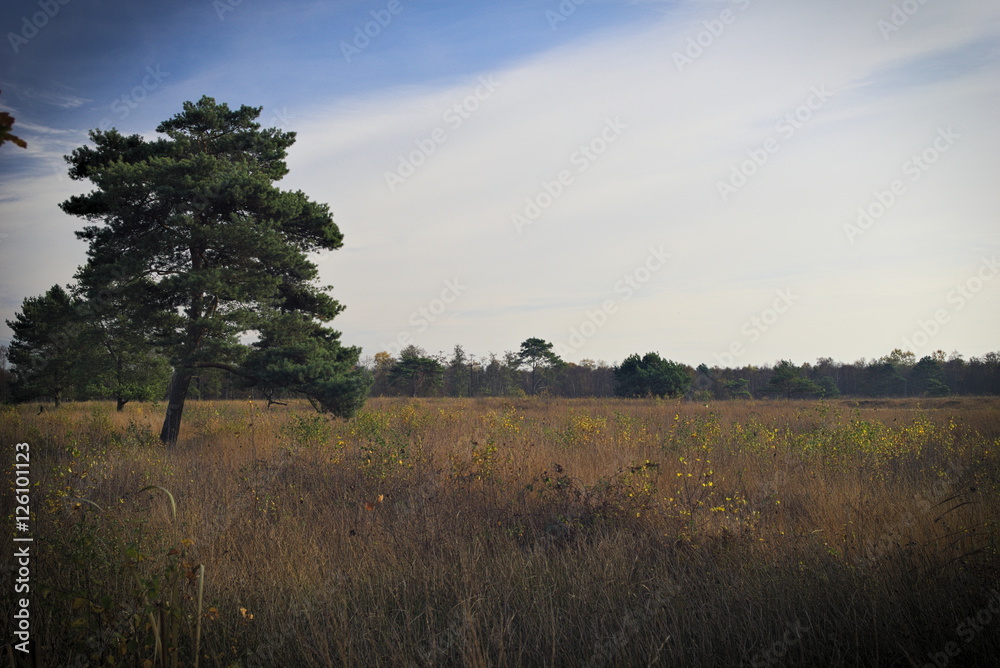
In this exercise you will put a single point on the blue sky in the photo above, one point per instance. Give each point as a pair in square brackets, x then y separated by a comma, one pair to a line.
[728, 182]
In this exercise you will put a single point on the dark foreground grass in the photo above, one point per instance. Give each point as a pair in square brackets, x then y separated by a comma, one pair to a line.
[507, 533]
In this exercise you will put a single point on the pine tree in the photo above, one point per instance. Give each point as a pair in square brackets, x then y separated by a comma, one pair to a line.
[205, 250]
[44, 349]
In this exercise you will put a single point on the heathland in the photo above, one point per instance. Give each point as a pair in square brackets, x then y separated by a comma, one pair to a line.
[509, 532]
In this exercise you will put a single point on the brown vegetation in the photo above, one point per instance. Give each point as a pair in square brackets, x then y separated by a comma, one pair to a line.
[488, 532]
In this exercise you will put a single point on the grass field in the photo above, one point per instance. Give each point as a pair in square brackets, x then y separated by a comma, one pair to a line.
[548, 532]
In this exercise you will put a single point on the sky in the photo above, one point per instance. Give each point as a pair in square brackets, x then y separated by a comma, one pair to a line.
[721, 182]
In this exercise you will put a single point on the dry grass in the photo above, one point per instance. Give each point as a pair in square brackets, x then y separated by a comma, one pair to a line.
[527, 532]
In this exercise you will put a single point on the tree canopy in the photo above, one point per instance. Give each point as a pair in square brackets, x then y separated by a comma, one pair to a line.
[44, 347]
[789, 381]
[650, 375]
[196, 239]
[416, 372]
[537, 355]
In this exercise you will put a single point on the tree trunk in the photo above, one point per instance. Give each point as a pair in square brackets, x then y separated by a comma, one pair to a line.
[179, 384]
[121, 404]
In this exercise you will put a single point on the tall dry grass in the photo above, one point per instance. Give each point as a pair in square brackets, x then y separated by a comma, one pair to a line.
[527, 532]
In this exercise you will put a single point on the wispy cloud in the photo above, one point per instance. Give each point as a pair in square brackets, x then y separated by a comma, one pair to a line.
[56, 96]
[745, 111]
[684, 134]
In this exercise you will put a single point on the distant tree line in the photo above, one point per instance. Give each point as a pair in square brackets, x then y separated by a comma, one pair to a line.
[528, 372]
[58, 355]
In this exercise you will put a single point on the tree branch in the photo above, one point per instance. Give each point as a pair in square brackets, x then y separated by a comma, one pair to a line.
[225, 367]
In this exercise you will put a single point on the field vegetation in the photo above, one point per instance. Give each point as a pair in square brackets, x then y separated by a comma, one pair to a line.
[508, 532]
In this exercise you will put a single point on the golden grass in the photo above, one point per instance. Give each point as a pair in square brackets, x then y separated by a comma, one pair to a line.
[492, 532]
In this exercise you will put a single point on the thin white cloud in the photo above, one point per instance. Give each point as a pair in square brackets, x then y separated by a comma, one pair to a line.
[657, 184]
[55, 95]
